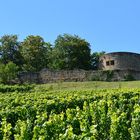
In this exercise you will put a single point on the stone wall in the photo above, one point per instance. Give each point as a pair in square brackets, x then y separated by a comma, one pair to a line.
[62, 75]
[47, 76]
[29, 77]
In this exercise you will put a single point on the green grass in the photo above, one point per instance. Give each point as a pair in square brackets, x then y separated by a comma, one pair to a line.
[88, 85]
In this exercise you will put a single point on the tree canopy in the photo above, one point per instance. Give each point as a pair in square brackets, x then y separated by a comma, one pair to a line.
[34, 52]
[95, 59]
[71, 52]
[10, 50]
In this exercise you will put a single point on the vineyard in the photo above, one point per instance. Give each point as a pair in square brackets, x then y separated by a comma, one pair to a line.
[70, 115]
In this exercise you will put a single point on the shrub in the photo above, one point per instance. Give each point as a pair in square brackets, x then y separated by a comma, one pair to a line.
[8, 72]
[129, 77]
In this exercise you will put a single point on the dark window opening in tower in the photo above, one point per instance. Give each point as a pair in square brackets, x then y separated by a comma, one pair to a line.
[112, 62]
[107, 63]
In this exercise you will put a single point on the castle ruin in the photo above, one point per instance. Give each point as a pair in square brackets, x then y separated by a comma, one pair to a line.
[116, 66]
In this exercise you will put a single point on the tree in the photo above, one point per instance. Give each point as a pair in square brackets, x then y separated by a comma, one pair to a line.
[10, 50]
[70, 52]
[95, 59]
[34, 51]
[8, 72]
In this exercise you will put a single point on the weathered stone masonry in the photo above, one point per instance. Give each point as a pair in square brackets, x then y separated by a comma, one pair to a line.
[120, 61]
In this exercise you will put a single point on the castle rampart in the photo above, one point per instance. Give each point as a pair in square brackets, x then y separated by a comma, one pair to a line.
[115, 66]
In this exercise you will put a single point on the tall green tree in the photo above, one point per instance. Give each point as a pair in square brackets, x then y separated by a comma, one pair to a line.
[35, 52]
[10, 50]
[70, 52]
[95, 59]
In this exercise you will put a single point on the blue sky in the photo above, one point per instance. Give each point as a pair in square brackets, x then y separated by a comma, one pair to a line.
[108, 25]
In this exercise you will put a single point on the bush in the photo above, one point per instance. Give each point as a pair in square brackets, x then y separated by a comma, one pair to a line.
[8, 72]
[129, 77]
[109, 75]
[95, 78]
[16, 88]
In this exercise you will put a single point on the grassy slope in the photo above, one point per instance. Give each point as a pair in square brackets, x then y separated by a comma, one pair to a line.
[88, 85]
